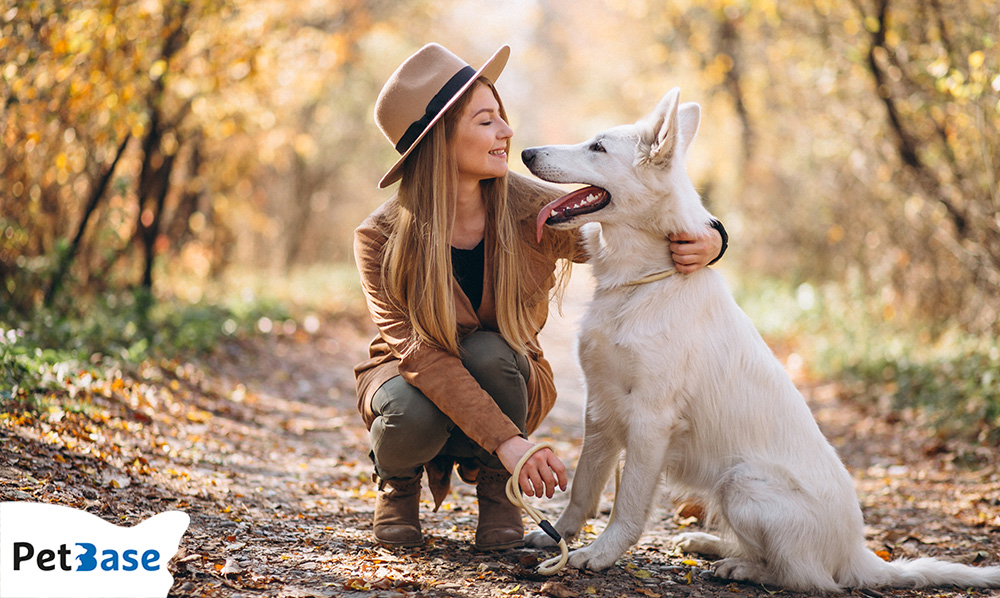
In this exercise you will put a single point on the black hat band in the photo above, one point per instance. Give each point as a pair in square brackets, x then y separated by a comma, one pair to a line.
[434, 107]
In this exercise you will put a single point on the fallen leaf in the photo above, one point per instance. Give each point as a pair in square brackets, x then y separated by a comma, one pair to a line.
[231, 568]
[557, 590]
[690, 510]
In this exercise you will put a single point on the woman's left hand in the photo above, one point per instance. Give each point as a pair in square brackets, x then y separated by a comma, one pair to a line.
[691, 253]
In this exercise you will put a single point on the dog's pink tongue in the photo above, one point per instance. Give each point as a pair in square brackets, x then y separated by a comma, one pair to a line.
[545, 213]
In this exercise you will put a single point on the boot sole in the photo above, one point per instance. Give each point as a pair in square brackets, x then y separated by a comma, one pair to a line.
[506, 546]
[411, 544]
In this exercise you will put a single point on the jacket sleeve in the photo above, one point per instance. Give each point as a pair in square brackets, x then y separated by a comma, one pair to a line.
[440, 375]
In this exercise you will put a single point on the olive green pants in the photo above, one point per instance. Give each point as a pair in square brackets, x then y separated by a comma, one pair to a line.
[409, 430]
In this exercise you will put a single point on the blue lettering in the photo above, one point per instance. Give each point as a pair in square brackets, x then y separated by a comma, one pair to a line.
[130, 563]
[149, 559]
[110, 562]
[87, 560]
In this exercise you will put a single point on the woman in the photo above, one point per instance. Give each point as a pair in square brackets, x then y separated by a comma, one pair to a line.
[459, 291]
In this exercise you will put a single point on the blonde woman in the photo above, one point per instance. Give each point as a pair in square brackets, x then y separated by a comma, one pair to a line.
[459, 290]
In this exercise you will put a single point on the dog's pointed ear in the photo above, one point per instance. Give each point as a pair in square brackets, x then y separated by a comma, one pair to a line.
[662, 129]
[688, 119]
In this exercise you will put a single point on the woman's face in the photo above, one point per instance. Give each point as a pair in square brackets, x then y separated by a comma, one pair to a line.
[480, 138]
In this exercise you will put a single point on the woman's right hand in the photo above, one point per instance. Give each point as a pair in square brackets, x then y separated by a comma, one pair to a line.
[540, 474]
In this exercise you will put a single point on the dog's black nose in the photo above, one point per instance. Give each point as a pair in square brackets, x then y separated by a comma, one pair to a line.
[528, 156]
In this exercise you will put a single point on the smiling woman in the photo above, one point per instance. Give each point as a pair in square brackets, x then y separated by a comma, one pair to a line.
[480, 140]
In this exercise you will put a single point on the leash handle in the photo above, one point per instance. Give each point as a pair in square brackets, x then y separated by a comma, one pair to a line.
[514, 495]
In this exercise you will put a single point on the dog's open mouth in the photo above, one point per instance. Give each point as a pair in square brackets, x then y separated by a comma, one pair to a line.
[582, 201]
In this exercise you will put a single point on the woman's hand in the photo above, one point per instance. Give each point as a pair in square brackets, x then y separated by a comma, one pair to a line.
[691, 253]
[540, 474]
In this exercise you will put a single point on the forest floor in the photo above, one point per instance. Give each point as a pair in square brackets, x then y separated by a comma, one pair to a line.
[260, 443]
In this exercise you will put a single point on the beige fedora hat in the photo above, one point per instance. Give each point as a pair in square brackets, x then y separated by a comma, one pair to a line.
[419, 93]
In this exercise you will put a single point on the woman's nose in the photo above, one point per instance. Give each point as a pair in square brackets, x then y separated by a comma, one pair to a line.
[505, 131]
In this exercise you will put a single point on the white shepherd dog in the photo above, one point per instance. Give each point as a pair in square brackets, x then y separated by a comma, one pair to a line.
[678, 377]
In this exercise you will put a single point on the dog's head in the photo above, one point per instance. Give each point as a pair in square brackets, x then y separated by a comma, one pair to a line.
[633, 173]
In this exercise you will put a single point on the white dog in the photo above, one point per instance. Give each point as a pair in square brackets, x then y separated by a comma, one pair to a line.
[678, 377]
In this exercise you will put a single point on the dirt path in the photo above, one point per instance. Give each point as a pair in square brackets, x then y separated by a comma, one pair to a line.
[262, 446]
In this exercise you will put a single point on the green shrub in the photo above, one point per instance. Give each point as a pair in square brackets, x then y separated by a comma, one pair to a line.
[845, 334]
[38, 354]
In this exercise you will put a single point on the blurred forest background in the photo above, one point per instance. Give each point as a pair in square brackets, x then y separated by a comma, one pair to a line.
[165, 152]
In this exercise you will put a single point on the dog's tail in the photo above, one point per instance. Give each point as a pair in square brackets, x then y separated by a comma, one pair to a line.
[921, 573]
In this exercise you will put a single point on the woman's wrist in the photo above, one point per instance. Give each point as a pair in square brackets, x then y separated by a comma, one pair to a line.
[717, 225]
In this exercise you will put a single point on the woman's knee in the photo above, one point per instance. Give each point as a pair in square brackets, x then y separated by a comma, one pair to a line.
[501, 372]
[486, 353]
[407, 412]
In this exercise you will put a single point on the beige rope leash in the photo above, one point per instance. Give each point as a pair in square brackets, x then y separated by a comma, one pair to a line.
[554, 564]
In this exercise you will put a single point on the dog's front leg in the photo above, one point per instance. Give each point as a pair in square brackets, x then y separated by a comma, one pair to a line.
[598, 457]
[644, 461]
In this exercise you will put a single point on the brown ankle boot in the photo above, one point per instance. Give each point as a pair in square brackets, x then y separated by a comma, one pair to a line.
[500, 526]
[397, 512]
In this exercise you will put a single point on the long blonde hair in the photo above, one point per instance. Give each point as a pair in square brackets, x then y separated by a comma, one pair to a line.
[416, 263]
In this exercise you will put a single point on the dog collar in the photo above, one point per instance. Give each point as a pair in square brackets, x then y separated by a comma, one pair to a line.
[651, 278]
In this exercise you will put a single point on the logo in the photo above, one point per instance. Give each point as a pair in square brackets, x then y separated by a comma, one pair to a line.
[52, 551]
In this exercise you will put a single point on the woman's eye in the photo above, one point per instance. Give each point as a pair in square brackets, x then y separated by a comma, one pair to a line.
[597, 147]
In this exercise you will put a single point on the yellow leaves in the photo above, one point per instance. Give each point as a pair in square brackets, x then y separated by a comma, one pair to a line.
[976, 59]
[715, 72]
[157, 69]
[198, 416]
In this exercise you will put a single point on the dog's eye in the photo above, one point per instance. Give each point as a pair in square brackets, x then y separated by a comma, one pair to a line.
[597, 147]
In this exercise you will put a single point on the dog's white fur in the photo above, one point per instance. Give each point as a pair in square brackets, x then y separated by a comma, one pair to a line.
[678, 377]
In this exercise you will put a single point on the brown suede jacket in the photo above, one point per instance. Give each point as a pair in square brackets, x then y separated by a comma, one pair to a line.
[438, 374]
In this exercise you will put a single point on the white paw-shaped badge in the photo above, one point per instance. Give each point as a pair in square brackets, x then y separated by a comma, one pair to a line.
[52, 550]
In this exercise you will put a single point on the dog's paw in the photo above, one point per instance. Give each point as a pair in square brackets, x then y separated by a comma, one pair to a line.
[589, 558]
[739, 569]
[538, 539]
[698, 543]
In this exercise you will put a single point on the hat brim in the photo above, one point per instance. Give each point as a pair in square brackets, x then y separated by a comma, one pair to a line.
[491, 70]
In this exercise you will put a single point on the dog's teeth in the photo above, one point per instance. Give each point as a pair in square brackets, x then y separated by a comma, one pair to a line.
[554, 213]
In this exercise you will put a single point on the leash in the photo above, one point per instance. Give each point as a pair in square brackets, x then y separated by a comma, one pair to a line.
[651, 278]
[554, 564]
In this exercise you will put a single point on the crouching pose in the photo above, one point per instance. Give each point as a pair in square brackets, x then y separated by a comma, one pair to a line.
[459, 289]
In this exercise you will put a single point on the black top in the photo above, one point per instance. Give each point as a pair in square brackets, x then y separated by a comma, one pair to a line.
[467, 266]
